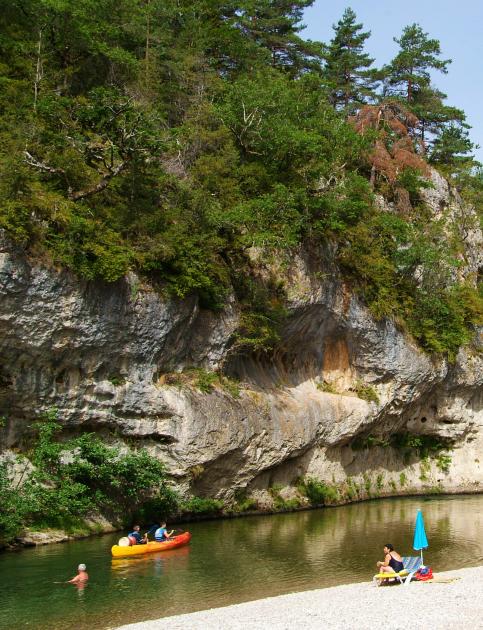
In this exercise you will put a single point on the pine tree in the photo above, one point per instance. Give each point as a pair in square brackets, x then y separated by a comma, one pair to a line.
[347, 67]
[409, 72]
[275, 26]
[453, 148]
[442, 128]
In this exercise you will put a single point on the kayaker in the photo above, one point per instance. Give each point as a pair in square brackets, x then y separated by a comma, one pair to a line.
[136, 538]
[82, 575]
[392, 561]
[161, 534]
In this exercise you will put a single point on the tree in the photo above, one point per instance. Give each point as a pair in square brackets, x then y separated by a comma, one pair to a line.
[453, 148]
[275, 25]
[433, 114]
[346, 70]
[442, 129]
[409, 71]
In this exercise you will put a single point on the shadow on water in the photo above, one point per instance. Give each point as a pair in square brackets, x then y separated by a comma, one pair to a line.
[231, 561]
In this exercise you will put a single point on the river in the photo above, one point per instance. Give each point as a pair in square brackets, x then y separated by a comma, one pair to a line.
[230, 561]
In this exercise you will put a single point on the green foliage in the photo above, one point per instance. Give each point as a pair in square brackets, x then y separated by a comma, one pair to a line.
[243, 503]
[199, 505]
[403, 479]
[410, 180]
[387, 255]
[351, 489]
[423, 444]
[367, 483]
[117, 380]
[346, 72]
[203, 380]
[380, 481]
[417, 56]
[368, 441]
[443, 462]
[78, 478]
[327, 387]
[424, 469]
[366, 392]
[231, 386]
[180, 139]
[442, 320]
[318, 492]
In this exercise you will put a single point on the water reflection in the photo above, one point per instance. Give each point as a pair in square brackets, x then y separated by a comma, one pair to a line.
[232, 561]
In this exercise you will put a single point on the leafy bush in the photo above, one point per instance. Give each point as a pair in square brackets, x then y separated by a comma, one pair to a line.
[327, 387]
[443, 462]
[422, 444]
[318, 492]
[352, 489]
[245, 505]
[369, 441]
[77, 478]
[424, 469]
[380, 481]
[201, 379]
[199, 505]
[366, 392]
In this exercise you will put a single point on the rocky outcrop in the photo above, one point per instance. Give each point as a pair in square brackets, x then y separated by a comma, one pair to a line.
[100, 353]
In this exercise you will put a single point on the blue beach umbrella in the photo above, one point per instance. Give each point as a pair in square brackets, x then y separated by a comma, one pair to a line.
[420, 541]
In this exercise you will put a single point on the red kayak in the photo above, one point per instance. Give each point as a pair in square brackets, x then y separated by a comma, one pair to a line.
[151, 547]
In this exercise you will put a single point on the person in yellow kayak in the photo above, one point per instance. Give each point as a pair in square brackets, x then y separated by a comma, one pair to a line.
[136, 538]
[162, 534]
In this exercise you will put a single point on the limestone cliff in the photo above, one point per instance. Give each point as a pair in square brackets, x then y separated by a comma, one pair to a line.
[100, 354]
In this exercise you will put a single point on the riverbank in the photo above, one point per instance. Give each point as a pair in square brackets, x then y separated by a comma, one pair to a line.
[452, 599]
[101, 526]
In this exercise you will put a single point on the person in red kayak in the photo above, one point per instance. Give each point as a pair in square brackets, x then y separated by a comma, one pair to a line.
[136, 538]
[82, 575]
[161, 534]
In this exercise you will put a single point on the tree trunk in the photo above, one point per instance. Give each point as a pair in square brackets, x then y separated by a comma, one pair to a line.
[38, 69]
[148, 36]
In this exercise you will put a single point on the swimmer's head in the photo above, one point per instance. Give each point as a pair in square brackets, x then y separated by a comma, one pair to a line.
[81, 567]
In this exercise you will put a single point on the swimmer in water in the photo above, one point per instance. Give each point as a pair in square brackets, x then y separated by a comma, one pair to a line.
[81, 577]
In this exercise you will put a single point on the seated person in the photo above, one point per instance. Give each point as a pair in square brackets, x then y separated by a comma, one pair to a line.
[392, 561]
[136, 538]
[161, 534]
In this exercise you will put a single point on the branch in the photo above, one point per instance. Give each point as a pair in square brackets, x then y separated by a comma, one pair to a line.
[81, 194]
[32, 161]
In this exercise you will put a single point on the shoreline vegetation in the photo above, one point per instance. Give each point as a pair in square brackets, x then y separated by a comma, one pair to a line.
[450, 601]
[64, 487]
[32, 537]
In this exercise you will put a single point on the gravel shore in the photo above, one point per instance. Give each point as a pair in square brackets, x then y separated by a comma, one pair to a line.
[454, 599]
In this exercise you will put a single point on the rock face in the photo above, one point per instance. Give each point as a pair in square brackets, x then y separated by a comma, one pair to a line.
[99, 352]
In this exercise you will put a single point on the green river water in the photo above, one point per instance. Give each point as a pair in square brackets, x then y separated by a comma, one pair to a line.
[231, 561]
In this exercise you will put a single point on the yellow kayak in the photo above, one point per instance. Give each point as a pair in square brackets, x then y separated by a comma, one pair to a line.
[151, 547]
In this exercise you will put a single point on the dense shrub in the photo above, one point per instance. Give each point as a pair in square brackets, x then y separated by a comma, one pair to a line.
[79, 478]
[318, 492]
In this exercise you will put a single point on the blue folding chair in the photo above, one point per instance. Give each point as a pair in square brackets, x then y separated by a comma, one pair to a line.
[411, 566]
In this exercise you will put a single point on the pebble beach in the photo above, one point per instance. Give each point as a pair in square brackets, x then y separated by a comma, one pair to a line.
[453, 599]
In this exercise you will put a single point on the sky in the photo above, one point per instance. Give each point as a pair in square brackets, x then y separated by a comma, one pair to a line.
[458, 24]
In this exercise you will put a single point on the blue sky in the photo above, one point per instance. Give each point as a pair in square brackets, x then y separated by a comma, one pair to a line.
[457, 24]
